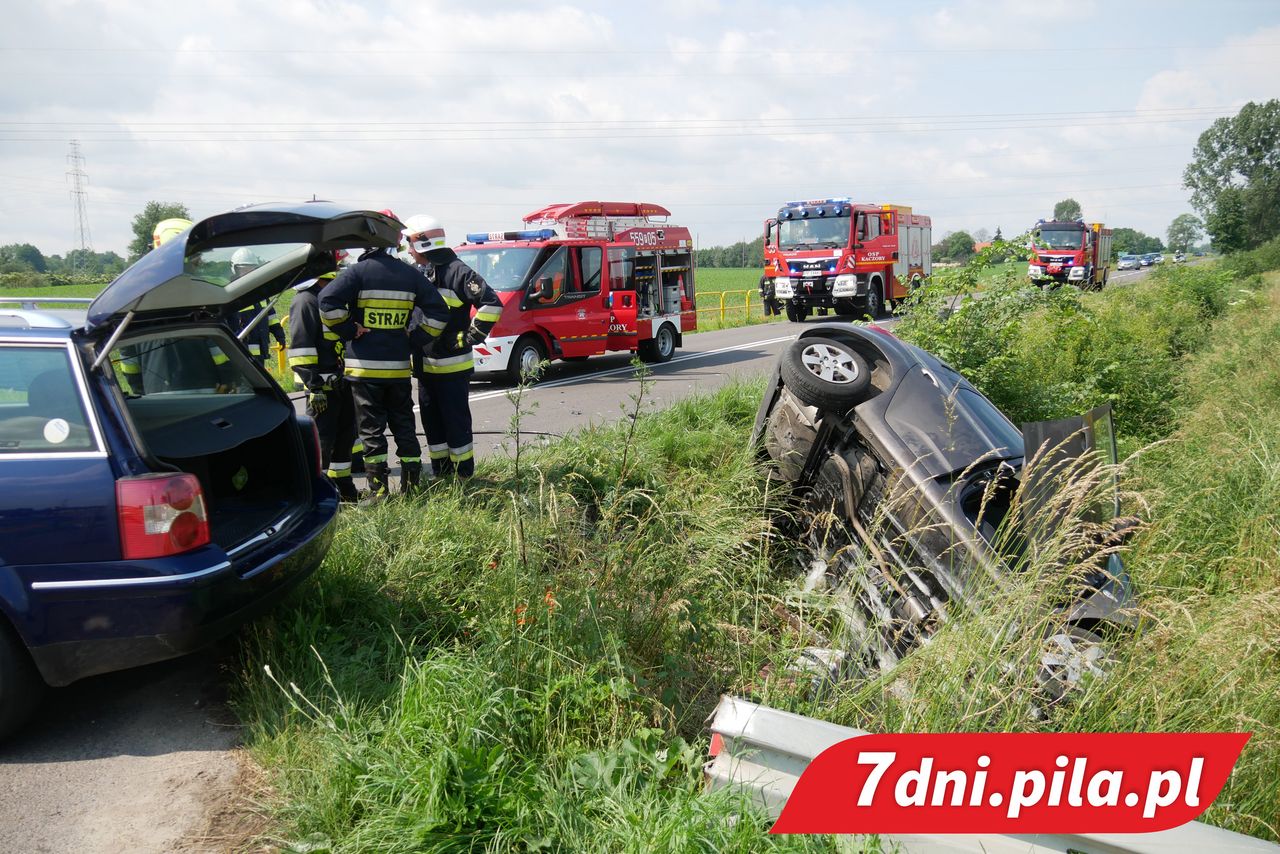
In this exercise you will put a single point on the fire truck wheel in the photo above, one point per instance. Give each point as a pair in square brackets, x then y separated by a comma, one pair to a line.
[875, 301]
[661, 347]
[795, 314]
[526, 356]
[825, 373]
[846, 308]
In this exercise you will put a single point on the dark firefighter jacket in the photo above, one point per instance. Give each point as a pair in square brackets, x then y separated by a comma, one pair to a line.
[380, 294]
[462, 289]
[258, 341]
[315, 350]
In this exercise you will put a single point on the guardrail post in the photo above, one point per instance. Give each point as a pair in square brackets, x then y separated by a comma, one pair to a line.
[722, 295]
[748, 305]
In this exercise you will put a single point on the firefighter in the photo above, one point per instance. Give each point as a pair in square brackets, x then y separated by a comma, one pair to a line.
[444, 369]
[315, 355]
[370, 306]
[131, 358]
[769, 297]
[258, 341]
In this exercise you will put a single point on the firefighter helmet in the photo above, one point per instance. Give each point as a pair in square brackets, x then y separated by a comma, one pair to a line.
[243, 260]
[167, 229]
[424, 233]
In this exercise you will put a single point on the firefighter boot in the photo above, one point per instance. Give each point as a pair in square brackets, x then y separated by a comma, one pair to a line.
[410, 477]
[347, 492]
[379, 480]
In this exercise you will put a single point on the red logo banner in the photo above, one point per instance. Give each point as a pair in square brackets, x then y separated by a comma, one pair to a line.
[1011, 783]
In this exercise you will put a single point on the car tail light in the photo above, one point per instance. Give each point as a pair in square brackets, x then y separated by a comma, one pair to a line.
[160, 514]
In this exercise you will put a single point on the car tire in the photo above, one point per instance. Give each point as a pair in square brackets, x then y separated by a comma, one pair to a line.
[661, 347]
[874, 300]
[793, 313]
[21, 687]
[1067, 658]
[825, 373]
[526, 355]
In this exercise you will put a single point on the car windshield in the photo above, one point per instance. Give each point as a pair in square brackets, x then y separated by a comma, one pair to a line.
[823, 231]
[505, 269]
[1072, 238]
[224, 265]
[948, 431]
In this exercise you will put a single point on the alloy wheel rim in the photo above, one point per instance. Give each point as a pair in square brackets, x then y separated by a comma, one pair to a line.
[829, 364]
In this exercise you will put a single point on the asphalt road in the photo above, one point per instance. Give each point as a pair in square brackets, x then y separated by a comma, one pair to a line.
[143, 761]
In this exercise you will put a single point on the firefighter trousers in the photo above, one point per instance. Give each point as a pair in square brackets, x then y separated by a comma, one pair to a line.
[383, 405]
[446, 421]
[336, 425]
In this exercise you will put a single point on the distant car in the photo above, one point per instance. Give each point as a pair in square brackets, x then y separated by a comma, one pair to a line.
[1199, 253]
[1129, 262]
[1179, 257]
[1148, 259]
[1159, 259]
[157, 488]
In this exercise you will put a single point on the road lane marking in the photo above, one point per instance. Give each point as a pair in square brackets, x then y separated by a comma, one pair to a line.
[488, 395]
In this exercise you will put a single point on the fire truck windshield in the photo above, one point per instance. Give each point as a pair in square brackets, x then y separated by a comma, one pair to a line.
[1072, 238]
[830, 232]
[504, 268]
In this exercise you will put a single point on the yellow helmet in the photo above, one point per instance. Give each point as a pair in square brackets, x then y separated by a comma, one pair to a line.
[167, 229]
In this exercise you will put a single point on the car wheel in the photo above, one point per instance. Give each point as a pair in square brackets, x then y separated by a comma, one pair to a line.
[526, 358]
[661, 347]
[875, 301]
[825, 373]
[1068, 658]
[793, 313]
[21, 687]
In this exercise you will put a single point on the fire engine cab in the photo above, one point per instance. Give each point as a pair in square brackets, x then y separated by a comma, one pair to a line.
[852, 258]
[582, 279]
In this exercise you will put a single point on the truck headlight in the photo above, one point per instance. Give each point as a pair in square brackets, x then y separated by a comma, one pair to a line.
[1076, 273]
[1035, 271]
[845, 286]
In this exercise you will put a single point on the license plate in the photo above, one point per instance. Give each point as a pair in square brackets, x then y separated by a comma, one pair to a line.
[812, 274]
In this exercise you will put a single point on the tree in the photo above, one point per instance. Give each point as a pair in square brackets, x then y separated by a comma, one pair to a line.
[998, 236]
[1184, 231]
[956, 246]
[1228, 223]
[1130, 241]
[1067, 209]
[145, 222]
[1234, 177]
[982, 235]
[20, 257]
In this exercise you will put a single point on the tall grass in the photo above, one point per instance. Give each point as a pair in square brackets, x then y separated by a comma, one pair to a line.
[525, 663]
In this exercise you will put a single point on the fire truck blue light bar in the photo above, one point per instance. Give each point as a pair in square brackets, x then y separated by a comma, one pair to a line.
[532, 234]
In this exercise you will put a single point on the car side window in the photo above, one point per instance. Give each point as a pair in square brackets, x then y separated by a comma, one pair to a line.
[41, 407]
[589, 260]
[553, 280]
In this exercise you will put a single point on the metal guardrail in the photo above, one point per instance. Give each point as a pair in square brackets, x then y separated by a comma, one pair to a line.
[29, 303]
[722, 306]
[763, 752]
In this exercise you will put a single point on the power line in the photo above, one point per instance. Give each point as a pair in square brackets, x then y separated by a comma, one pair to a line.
[79, 178]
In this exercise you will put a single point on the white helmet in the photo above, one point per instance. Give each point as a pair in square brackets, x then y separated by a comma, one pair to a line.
[424, 233]
[243, 260]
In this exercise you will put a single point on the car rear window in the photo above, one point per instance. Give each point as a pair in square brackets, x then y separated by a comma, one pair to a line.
[182, 363]
[41, 408]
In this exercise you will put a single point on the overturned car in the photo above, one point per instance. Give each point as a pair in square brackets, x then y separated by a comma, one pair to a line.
[919, 498]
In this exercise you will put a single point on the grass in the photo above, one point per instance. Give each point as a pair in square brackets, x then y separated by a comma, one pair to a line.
[526, 664]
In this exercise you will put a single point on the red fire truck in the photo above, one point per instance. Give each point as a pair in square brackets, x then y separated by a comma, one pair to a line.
[1070, 252]
[851, 258]
[582, 279]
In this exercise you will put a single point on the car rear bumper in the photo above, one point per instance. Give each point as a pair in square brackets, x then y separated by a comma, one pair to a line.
[88, 626]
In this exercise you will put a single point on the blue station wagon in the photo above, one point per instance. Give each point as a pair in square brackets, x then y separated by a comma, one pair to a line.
[157, 488]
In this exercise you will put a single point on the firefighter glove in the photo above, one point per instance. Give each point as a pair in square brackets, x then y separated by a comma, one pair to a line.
[317, 401]
[474, 337]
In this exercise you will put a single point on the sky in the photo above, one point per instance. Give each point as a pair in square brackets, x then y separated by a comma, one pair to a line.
[978, 114]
